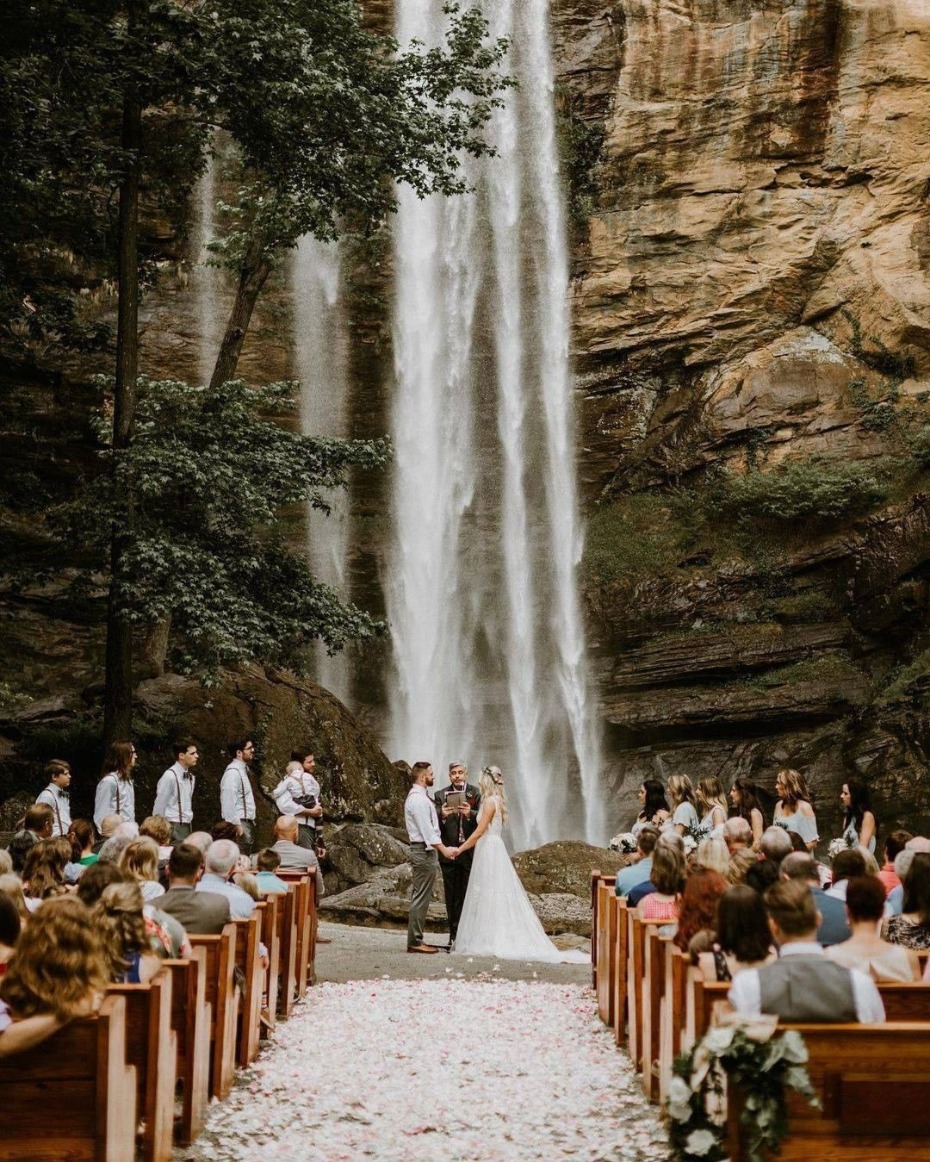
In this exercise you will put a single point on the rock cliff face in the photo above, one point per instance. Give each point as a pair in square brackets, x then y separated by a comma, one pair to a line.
[752, 291]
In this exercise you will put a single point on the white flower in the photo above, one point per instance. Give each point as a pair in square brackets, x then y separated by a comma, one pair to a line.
[793, 1048]
[718, 1039]
[700, 1142]
[679, 1100]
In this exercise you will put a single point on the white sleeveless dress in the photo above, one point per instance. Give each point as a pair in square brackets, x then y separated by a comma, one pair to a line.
[497, 918]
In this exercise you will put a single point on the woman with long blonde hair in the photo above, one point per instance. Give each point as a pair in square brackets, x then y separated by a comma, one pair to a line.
[684, 813]
[118, 917]
[795, 808]
[711, 802]
[497, 916]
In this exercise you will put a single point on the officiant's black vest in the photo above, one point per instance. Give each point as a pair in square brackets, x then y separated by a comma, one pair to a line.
[449, 828]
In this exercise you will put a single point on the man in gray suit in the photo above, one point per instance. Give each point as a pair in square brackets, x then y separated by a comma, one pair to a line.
[201, 913]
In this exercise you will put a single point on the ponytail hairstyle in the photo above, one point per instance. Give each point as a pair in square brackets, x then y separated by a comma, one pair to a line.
[491, 783]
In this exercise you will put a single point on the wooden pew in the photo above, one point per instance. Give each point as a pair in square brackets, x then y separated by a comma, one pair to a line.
[621, 929]
[287, 956]
[272, 940]
[654, 954]
[873, 1082]
[72, 1098]
[303, 905]
[248, 961]
[595, 903]
[672, 1016]
[223, 995]
[605, 919]
[151, 1048]
[190, 1019]
[636, 992]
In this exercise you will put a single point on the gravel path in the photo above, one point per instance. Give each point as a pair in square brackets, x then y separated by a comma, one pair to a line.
[445, 1069]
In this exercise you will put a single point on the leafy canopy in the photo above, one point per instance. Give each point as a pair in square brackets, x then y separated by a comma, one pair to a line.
[212, 475]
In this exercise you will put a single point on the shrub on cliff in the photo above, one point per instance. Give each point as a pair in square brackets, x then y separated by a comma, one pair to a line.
[808, 491]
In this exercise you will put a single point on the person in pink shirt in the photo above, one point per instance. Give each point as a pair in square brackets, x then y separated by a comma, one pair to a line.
[894, 844]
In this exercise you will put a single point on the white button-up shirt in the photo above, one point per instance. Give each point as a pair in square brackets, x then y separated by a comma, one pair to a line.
[746, 993]
[60, 803]
[298, 784]
[237, 802]
[115, 796]
[420, 817]
[174, 795]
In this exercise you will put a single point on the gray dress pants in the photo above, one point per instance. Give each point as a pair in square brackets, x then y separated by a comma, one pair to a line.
[424, 863]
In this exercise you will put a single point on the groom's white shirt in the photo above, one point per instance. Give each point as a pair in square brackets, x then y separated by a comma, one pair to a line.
[420, 817]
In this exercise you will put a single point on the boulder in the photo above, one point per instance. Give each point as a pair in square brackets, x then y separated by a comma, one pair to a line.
[358, 851]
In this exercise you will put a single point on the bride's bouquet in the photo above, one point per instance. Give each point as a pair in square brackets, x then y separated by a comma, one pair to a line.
[625, 843]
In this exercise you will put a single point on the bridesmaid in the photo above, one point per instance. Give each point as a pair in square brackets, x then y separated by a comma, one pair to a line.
[746, 804]
[794, 810]
[684, 813]
[653, 805]
[711, 802]
[859, 823]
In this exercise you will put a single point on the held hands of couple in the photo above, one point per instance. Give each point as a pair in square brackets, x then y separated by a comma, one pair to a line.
[448, 852]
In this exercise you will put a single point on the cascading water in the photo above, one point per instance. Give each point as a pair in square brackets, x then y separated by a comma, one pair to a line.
[206, 279]
[320, 356]
[482, 590]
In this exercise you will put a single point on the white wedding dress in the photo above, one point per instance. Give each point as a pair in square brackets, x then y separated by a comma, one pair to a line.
[497, 917]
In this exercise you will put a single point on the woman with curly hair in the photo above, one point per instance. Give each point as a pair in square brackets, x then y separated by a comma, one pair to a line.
[795, 808]
[118, 917]
[140, 862]
[57, 974]
[697, 911]
[10, 928]
[745, 800]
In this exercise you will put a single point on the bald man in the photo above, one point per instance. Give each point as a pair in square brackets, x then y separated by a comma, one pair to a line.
[294, 857]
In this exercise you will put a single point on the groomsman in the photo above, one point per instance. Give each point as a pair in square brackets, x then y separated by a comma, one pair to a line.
[57, 796]
[175, 791]
[456, 824]
[237, 799]
[425, 842]
[298, 794]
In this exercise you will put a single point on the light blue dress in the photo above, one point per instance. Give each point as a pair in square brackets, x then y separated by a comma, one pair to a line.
[686, 814]
[851, 836]
[804, 825]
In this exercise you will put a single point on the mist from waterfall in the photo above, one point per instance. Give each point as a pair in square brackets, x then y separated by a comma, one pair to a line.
[321, 360]
[482, 588]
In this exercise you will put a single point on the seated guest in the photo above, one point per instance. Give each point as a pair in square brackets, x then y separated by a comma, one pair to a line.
[761, 875]
[224, 830]
[294, 857]
[108, 826]
[267, 862]
[10, 928]
[742, 940]
[249, 884]
[140, 862]
[834, 927]
[44, 873]
[199, 839]
[638, 872]
[19, 847]
[912, 927]
[895, 901]
[737, 833]
[802, 985]
[201, 913]
[59, 973]
[81, 834]
[40, 820]
[658, 899]
[775, 844]
[697, 909]
[92, 882]
[220, 862]
[158, 828]
[849, 862]
[740, 862]
[127, 829]
[111, 849]
[12, 886]
[712, 853]
[118, 918]
[6, 863]
[865, 949]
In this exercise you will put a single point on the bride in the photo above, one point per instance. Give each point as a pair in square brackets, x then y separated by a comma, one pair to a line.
[497, 917]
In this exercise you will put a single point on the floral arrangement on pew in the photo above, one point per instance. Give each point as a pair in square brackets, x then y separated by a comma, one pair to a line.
[761, 1064]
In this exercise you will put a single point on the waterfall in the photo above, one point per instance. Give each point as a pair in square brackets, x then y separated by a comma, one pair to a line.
[207, 280]
[320, 357]
[482, 589]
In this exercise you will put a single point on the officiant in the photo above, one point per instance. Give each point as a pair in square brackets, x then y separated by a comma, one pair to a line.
[458, 818]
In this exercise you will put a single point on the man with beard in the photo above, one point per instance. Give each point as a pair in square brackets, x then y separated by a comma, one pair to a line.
[456, 824]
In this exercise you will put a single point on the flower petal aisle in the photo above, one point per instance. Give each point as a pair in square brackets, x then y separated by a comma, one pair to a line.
[448, 1069]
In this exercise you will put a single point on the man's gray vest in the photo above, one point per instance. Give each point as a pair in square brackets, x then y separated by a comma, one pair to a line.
[807, 988]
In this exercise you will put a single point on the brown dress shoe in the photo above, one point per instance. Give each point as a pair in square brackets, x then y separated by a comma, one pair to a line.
[423, 948]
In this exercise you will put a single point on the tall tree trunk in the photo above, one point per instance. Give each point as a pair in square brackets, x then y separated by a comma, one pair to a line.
[252, 277]
[117, 722]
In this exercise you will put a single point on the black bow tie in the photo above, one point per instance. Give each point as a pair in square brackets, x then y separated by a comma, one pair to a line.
[65, 794]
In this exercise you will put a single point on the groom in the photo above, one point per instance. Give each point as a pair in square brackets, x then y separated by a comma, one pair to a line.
[456, 824]
[425, 841]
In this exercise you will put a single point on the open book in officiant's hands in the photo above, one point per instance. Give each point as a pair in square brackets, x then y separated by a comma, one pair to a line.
[454, 800]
